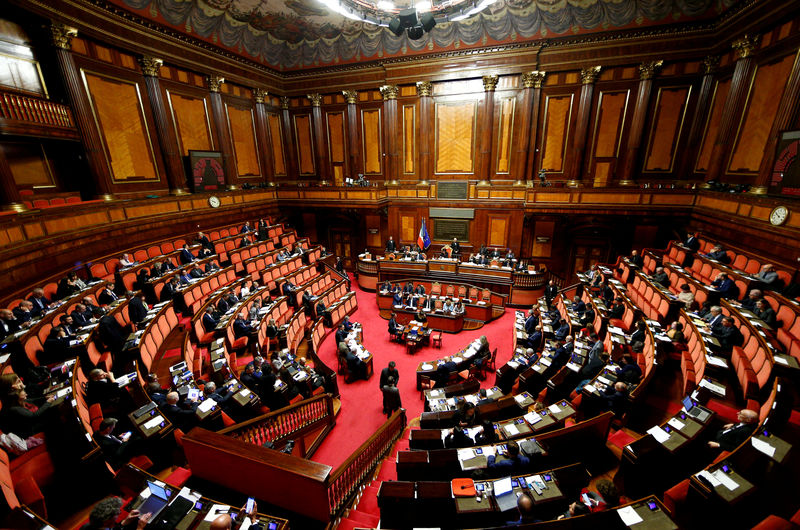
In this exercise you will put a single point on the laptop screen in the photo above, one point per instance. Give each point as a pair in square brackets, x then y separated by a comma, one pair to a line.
[688, 404]
[502, 486]
[157, 490]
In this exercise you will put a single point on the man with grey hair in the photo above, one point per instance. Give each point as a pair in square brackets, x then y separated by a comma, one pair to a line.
[104, 516]
[733, 434]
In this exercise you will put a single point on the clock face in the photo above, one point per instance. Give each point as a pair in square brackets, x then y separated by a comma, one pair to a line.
[779, 215]
[213, 201]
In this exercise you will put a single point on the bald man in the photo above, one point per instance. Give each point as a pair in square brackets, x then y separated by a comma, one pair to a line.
[733, 434]
[225, 521]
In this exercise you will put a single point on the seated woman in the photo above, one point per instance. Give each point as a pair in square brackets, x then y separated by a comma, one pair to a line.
[459, 307]
[420, 316]
[21, 416]
[675, 333]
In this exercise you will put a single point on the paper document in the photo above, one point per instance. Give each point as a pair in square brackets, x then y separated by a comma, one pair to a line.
[590, 388]
[725, 480]
[778, 359]
[716, 361]
[155, 422]
[532, 417]
[676, 423]
[711, 478]
[215, 511]
[555, 409]
[763, 446]
[519, 398]
[717, 389]
[511, 429]
[245, 392]
[427, 366]
[206, 405]
[658, 433]
[629, 516]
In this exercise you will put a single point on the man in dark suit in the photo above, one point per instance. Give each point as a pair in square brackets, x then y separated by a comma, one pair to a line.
[118, 450]
[308, 301]
[456, 247]
[588, 316]
[531, 322]
[111, 332]
[56, 347]
[23, 312]
[220, 396]
[209, 322]
[550, 292]
[718, 254]
[185, 255]
[660, 277]
[386, 373]
[394, 329]
[203, 240]
[728, 334]
[107, 296]
[617, 310]
[245, 228]
[81, 315]
[733, 434]
[288, 289]
[560, 356]
[725, 286]
[39, 301]
[196, 273]
[8, 324]
[137, 308]
[346, 324]
[341, 334]
[617, 398]
[765, 312]
[323, 312]
[241, 327]
[182, 417]
[578, 305]
[397, 299]
[514, 462]
[391, 396]
[420, 290]
[245, 242]
[562, 331]
[66, 322]
[169, 290]
[390, 246]
[636, 260]
[692, 242]
[534, 340]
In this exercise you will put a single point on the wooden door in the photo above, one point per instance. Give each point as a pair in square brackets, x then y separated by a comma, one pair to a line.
[341, 241]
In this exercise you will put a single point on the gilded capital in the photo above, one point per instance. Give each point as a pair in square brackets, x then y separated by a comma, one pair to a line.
[424, 88]
[710, 64]
[389, 91]
[215, 82]
[316, 99]
[285, 103]
[589, 74]
[745, 46]
[150, 65]
[260, 95]
[351, 96]
[533, 79]
[490, 82]
[649, 70]
[62, 35]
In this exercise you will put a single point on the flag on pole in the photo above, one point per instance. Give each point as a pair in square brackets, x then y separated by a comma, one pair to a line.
[424, 240]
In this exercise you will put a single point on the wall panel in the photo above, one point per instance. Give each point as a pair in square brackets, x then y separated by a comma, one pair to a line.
[455, 136]
[407, 228]
[336, 148]
[409, 139]
[505, 136]
[558, 110]
[276, 136]
[305, 144]
[192, 123]
[498, 226]
[29, 165]
[371, 140]
[712, 125]
[666, 128]
[611, 110]
[243, 136]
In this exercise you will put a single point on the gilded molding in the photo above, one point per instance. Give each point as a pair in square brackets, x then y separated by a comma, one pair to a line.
[424, 88]
[351, 96]
[745, 46]
[62, 35]
[285, 103]
[389, 91]
[490, 82]
[710, 64]
[315, 98]
[649, 69]
[260, 95]
[533, 79]
[589, 75]
[150, 65]
[215, 82]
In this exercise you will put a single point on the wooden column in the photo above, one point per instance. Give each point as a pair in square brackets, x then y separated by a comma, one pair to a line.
[537, 79]
[486, 129]
[223, 132]
[9, 193]
[167, 141]
[320, 145]
[785, 118]
[353, 143]
[263, 140]
[424, 91]
[526, 144]
[734, 105]
[699, 117]
[389, 93]
[79, 101]
[288, 139]
[575, 162]
[647, 72]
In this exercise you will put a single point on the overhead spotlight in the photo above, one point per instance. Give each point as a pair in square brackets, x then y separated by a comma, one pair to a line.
[427, 21]
[408, 18]
[395, 27]
[416, 26]
[415, 32]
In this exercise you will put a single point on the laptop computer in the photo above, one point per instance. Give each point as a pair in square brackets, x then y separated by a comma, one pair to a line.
[504, 494]
[695, 411]
[156, 502]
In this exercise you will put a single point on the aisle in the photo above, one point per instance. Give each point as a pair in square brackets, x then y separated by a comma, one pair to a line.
[362, 402]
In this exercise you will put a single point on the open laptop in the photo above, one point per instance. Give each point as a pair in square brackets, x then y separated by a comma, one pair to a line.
[695, 411]
[156, 502]
[504, 494]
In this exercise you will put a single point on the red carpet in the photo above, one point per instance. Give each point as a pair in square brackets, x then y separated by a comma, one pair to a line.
[362, 402]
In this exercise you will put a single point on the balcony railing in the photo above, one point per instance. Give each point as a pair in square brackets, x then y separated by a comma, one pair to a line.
[34, 111]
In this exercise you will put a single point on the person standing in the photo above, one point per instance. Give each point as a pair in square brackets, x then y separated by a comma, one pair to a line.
[391, 397]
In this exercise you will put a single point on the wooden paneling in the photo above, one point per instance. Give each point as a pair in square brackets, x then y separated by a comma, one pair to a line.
[762, 106]
[498, 226]
[305, 144]
[336, 146]
[408, 228]
[505, 136]
[373, 226]
[712, 125]
[666, 128]
[611, 110]
[371, 141]
[455, 136]
[119, 113]
[557, 114]
[192, 123]
[409, 139]
[243, 136]
[276, 137]
[29, 165]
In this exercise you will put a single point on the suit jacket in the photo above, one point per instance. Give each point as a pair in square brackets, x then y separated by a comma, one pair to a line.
[241, 328]
[397, 299]
[661, 279]
[111, 333]
[39, 304]
[209, 323]
[725, 287]
[509, 466]
[721, 256]
[206, 243]
[617, 402]
[692, 243]
[386, 373]
[391, 399]
[730, 439]
[617, 311]
[550, 291]
[340, 336]
[637, 260]
[390, 246]
[137, 311]
[183, 418]
[728, 336]
[168, 292]
[186, 256]
[560, 358]
[392, 328]
[21, 316]
[561, 332]
[767, 316]
[768, 277]
[106, 297]
[580, 307]
[530, 324]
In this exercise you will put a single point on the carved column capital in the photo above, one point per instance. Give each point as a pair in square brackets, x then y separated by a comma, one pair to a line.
[745, 46]
[649, 69]
[260, 95]
[710, 64]
[315, 98]
[533, 79]
[351, 96]
[285, 103]
[490, 82]
[424, 88]
[62, 35]
[150, 65]
[389, 91]
[215, 82]
[589, 74]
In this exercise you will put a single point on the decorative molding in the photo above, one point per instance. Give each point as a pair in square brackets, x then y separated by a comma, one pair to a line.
[490, 82]
[745, 46]
[351, 96]
[389, 91]
[589, 74]
[62, 35]
[315, 98]
[285, 102]
[215, 82]
[260, 95]
[150, 65]
[533, 79]
[649, 69]
[710, 64]
[424, 88]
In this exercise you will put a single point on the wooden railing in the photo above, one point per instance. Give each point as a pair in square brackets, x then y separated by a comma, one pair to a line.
[291, 422]
[34, 110]
[345, 481]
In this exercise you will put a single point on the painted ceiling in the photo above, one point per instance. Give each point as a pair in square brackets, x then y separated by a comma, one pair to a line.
[296, 34]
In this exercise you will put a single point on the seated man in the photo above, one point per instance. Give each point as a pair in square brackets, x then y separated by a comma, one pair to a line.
[40, 301]
[514, 462]
[118, 450]
[394, 329]
[447, 307]
[356, 366]
[397, 299]
[692, 241]
[768, 276]
[718, 254]
[534, 340]
[728, 334]
[348, 326]
[617, 398]
[341, 334]
[617, 309]
[562, 331]
[182, 417]
[725, 286]
[323, 312]
[241, 327]
[531, 322]
[636, 260]
[660, 277]
[288, 291]
[733, 434]
[752, 297]
[578, 305]
[57, 347]
[185, 255]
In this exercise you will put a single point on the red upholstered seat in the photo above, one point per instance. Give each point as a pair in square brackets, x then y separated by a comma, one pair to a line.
[676, 496]
[179, 477]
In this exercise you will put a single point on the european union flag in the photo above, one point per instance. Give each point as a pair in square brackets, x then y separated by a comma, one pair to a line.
[424, 240]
